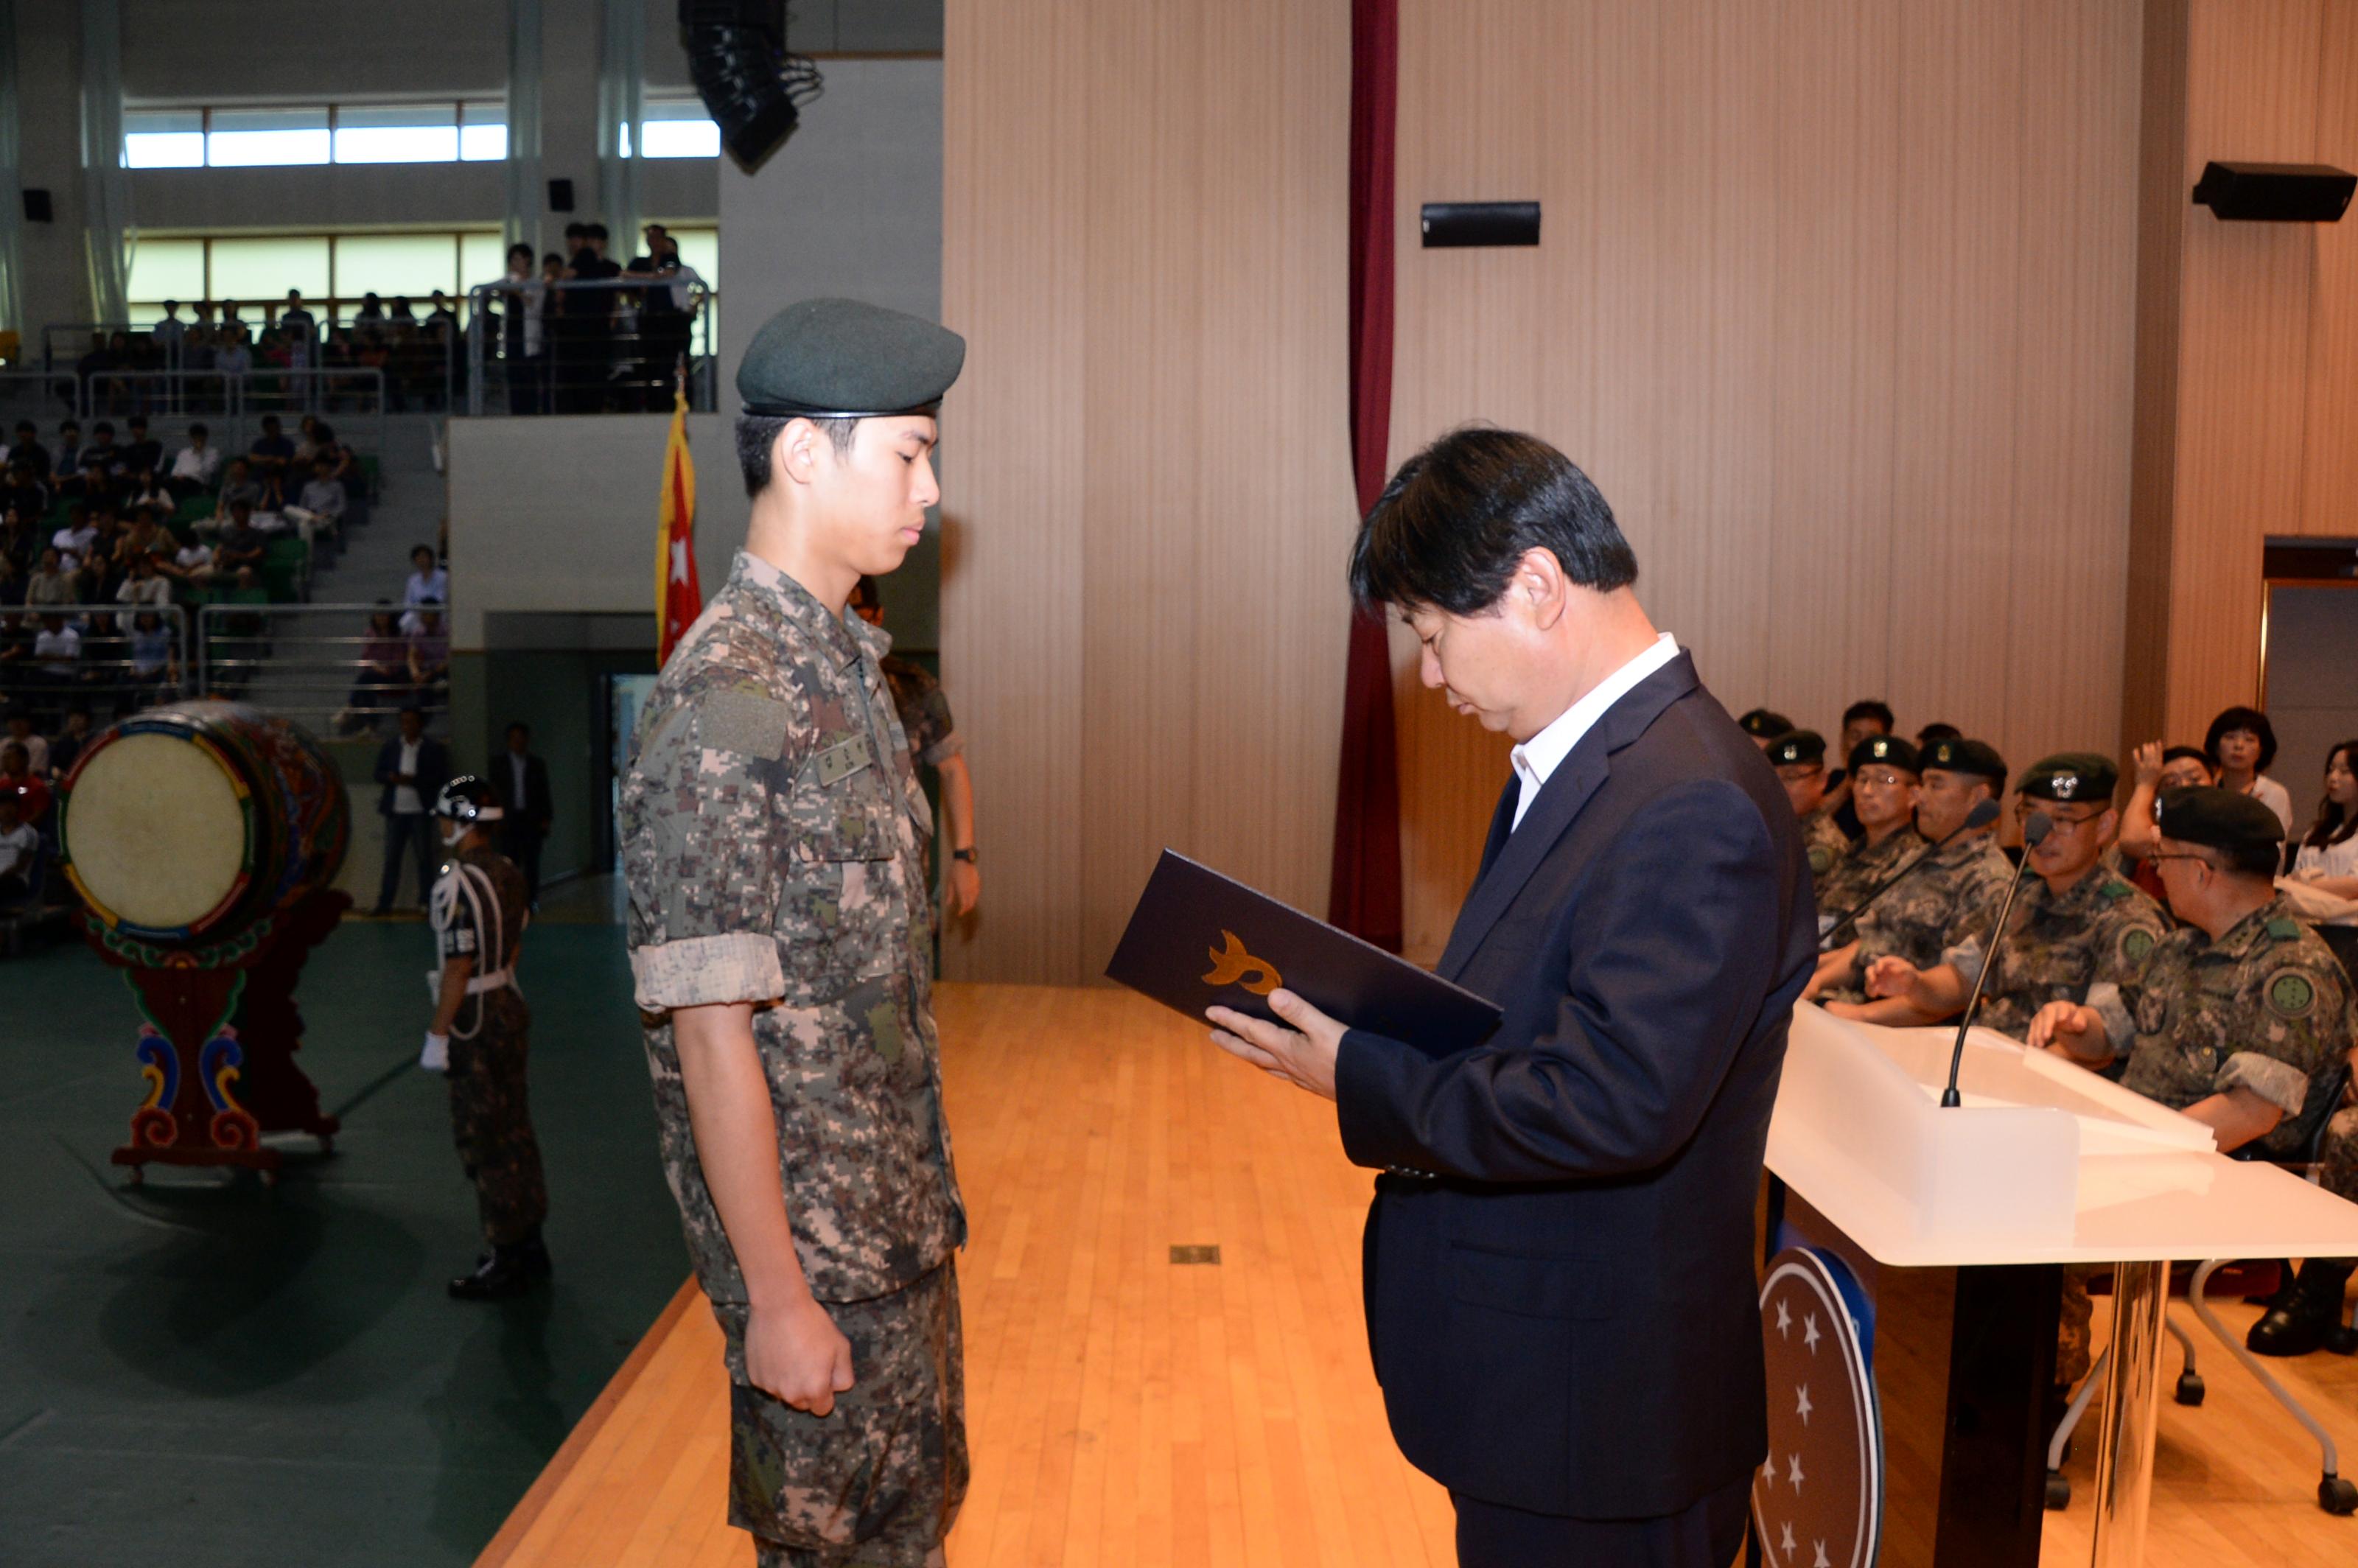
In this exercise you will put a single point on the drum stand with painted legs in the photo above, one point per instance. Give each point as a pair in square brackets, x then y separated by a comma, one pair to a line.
[218, 1041]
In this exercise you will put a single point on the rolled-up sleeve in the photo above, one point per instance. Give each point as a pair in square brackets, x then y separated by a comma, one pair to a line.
[700, 851]
[2276, 1081]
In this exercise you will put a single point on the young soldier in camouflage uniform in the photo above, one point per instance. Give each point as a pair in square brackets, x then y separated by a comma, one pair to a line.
[779, 934]
[1928, 919]
[2242, 1012]
[478, 907]
[1884, 787]
[2078, 930]
[1799, 758]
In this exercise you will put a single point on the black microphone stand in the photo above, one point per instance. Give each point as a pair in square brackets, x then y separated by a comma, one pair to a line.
[2035, 829]
[1981, 816]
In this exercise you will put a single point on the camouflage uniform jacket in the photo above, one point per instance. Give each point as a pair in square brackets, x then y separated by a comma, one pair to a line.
[2077, 945]
[924, 711]
[1860, 870]
[773, 847]
[1825, 844]
[488, 928]
[1928, 919]
[2265, 1008]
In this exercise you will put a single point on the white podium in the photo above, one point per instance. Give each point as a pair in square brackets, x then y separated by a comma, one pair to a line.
[1962, 1216]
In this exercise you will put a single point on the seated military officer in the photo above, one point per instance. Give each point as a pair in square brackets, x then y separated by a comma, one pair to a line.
[1884, 786]
[1928, 918]
[1799, 759]
[2078, 930]
[1764, 725]
[2241, 1009]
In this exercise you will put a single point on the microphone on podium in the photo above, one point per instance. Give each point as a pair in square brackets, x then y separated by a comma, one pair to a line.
[2034, 829]
[1982, 815]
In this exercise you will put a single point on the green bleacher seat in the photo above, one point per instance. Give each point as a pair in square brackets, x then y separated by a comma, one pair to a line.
[285, 565]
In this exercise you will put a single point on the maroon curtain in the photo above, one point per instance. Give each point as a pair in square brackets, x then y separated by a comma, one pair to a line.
[1366, 898]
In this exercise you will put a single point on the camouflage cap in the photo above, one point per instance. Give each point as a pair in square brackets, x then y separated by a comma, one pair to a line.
[1797, 746]
[2217, 819]
[1764, 724]
[1976, 758]
[2072, 777]
[1891, 751]
[847, 360]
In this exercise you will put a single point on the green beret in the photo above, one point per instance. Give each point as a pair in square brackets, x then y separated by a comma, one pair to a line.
[1891, 751]
[1764, 724]
[2070, 777]
[1976, 758]
[846, 360]
[1797, 746]
[2217, 819]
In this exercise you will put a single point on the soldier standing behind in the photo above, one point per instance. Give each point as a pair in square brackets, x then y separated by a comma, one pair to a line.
[2077, 933]
[1928, 919]
[779, 932]
[1799, 758]
[2241, 1015]
[1883, 789]
[478, 909]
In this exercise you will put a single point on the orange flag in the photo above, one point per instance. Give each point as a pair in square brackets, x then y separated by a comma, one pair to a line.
[679, 600]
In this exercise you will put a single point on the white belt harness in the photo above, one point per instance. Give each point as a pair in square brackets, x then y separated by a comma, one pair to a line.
[459, 881]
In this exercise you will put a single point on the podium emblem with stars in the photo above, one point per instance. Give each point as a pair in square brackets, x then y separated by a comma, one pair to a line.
[1818, 1501]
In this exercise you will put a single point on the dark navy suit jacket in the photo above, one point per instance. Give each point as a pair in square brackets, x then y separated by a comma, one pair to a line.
[1563, 1313]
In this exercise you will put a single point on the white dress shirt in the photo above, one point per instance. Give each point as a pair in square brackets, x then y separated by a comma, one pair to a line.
[1540, 755]
[407, 802]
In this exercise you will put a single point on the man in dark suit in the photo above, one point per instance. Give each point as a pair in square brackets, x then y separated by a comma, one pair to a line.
[1561, 1299]
[522, 780]
[411, 770]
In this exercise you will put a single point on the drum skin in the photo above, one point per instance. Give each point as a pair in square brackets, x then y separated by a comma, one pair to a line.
[185, 825]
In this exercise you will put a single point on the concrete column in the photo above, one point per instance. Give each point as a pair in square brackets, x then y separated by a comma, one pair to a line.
[48, 75]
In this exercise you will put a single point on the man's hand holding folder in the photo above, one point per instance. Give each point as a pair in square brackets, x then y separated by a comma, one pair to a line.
[1303, 1055]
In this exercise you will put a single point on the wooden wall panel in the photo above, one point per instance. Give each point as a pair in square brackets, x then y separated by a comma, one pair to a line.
[2329, 490]
[1834, 300]
[1148, 482]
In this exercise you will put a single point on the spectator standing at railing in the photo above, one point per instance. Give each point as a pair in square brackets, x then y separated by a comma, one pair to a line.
[293, 313]
[589, 325]
[411, 770]
[196, 468]
[171, 334]
[521, 301]
[233, 356]
[231, 322]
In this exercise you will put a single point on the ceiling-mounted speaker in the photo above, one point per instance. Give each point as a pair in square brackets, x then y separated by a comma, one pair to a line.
[753, 86]
[2275, 192]
[1449, 224]
[560, 196]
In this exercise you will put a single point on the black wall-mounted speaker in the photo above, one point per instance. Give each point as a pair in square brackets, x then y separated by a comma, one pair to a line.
[560, 196]
[1448, 224]
[36, 207]
[2275, 192]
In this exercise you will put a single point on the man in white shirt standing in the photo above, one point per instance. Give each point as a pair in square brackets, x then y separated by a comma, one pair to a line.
[411, 769]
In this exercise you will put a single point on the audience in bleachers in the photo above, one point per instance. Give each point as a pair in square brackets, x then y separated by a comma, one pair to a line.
[197, 466]
[20, 851]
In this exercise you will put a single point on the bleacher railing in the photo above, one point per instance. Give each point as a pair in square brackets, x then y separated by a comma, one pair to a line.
[313, 664]
[116, 667]
[352, 398]
[622, 358]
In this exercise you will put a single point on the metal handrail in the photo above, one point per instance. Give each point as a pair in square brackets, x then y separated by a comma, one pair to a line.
[242, 404]
[326, 688]
[545, 381]
[109, 625]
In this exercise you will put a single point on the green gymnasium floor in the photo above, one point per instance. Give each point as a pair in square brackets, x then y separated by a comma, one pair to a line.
[204, 1370]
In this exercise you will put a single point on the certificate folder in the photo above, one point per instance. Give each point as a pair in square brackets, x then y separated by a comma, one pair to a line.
[1198, 939]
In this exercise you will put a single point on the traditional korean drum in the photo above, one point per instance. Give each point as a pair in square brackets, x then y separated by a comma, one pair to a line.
[186, 824]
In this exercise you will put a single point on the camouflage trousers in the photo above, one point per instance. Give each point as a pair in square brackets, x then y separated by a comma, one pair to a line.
[493, 1121]
[2338, 1164]
[877, 1482]
[2074, 1354]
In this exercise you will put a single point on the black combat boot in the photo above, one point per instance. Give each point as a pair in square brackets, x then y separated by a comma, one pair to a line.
[505, 1272]
[2309, 1317]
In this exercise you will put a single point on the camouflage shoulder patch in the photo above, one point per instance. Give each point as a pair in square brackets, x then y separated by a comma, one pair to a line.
[1822, 859]
[2290, 993]
[2114, 890]
[743, 722]
[2284, 928]
[2137, 944]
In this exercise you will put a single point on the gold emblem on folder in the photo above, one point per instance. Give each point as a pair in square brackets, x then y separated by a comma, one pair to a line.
[1232, 963]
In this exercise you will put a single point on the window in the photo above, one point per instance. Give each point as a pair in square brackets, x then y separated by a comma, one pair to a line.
[255, 138]
[472, 131]
[397, 265]
[167, 269]
[263, 268]
[674, 129]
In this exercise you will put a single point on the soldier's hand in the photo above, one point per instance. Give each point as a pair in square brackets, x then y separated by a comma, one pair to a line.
[1891, 975]
[2147, 762]
[966, 888]
[796, 1353]
[2061, 1026]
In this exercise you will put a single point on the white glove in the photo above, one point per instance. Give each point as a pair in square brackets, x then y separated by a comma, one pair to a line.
[436, 1057]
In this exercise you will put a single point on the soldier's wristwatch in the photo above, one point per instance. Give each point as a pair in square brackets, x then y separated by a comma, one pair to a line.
[966, 855]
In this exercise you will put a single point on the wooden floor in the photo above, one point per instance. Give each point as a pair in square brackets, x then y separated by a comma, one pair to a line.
[1124, 1410]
